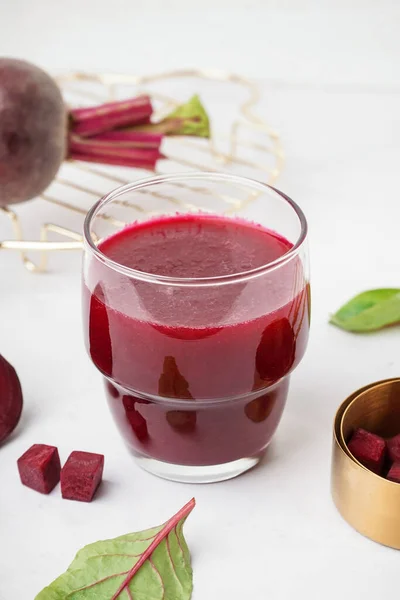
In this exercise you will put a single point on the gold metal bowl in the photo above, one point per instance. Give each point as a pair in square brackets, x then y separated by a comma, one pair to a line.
[368, 502]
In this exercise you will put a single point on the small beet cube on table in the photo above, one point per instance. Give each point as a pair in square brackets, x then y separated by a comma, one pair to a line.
[81, 476]
[393, 446]
[394, 473]
[369, 449]
[39, 468]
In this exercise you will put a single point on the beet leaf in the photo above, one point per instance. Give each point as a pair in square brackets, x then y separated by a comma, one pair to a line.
[190, 118]
[369, 311]
[150, 564]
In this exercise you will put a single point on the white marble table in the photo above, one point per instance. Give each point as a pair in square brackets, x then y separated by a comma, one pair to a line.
[330, 75]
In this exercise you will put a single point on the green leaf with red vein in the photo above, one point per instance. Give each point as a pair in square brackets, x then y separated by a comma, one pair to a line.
[149, 565]
[190, 118]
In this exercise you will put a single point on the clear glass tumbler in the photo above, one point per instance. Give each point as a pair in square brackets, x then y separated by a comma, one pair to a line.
[196, 319]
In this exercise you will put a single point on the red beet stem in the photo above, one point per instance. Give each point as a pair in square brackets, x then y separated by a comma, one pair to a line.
[165, 531]
[166, 127]
[112, 152]
[97, 119]
[132, 138]
[111, 108]
[100, 147]
[112, 160]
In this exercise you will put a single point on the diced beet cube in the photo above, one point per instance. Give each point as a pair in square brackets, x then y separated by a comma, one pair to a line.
[393, 447]
[369, 449]
[81, 476]
[39, 468]
[394, 473]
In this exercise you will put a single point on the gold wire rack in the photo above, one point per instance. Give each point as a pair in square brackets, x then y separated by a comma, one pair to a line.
[241, 143]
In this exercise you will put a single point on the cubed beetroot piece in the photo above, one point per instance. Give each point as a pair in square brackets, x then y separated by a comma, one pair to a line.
[394, 473]
[369, 449]
[81, 476]
[39, 468]
[393, 446]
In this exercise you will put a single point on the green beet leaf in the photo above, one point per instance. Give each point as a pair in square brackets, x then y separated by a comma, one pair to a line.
[369, 311]
[148, 565]
[190, 118]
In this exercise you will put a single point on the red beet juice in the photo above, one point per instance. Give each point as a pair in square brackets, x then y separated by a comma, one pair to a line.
[196, 374]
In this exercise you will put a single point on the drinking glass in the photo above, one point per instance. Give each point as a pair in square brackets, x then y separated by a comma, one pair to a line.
[196, 368]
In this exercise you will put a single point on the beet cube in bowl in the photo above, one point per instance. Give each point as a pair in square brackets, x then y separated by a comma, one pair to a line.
[81, 476]
[393, 446]
[369, 449]
[394, 473]
[39, 468]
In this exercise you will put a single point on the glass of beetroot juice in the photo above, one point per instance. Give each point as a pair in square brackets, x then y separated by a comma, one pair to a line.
[196, 319]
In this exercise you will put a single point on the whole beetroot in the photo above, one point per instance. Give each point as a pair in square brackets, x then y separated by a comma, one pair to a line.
[33, 130]
[37, 131]
[10, 399]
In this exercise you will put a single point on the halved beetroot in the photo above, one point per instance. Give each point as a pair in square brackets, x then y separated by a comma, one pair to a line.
[369, 449]
[81, 476]
[39, 468]
[10, 399]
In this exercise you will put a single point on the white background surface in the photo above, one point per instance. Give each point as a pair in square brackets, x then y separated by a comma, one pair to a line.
[330, 75]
